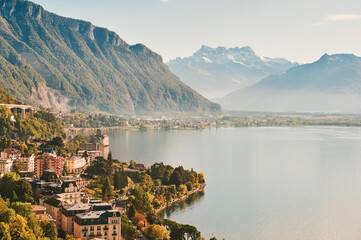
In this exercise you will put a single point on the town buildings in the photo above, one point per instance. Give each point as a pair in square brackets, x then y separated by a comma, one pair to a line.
[53, 208]
[28, 160]
[98, 224]
[6, 166]
[75, 164]
[48, 161]
[68, 215]
[90, 156]
[98, 142]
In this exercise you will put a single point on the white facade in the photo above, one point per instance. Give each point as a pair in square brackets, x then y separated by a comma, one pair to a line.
[92, 155]
[29, 162]
[75, 164]
[6, 166]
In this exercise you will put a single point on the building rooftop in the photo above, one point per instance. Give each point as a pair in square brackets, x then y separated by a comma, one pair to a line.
[53, 202]
[78, 207]
[67, 184]
[98, 214]
[37, 208]
[101, 206]
[92, 215]
[12, 151]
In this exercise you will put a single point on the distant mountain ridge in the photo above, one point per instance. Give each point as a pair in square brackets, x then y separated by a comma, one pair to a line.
[331, 84]
[216, 71]
[62, 63]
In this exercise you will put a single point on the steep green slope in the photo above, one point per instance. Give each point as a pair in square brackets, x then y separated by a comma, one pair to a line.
[65, 63]
[41, 124]
[6, 98]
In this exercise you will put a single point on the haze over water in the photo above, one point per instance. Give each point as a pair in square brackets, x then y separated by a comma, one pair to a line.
[262, 183]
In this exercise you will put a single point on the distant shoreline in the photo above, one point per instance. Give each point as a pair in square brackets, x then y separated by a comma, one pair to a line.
[181, 199]
[106, 129]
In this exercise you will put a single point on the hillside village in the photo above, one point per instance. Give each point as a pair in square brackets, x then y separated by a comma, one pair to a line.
[60, 198]
[74, 184]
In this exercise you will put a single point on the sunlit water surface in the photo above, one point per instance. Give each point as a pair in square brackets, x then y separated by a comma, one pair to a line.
[262, 183]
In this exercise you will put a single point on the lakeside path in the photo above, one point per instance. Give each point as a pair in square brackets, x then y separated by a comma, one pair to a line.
[181, 199]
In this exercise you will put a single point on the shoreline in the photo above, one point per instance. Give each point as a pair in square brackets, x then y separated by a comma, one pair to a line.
[181, 199]
[116, 128]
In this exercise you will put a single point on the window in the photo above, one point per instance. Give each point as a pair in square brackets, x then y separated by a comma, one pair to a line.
[114, 227]
[98, 228]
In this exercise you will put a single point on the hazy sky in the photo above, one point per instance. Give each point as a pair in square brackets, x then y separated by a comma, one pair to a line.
[300, 30]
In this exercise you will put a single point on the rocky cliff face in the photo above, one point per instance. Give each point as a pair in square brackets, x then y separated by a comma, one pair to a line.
[50, 60]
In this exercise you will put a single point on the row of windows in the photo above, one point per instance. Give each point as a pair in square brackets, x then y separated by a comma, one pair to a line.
[99, 234]
[98, 228]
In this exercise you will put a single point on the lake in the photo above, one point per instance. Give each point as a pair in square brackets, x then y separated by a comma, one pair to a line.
[262, 183]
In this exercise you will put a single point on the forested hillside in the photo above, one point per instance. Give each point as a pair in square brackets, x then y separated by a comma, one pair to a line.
[62, 63]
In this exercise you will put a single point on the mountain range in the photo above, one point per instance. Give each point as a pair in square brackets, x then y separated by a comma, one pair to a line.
[214, 72]
[331, 84]
[63, 63]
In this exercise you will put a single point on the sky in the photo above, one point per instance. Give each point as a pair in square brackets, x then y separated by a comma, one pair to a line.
[299, 30]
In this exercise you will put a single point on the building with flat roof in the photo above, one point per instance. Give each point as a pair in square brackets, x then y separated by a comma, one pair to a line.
[98, 142]
[6, 166]
[98, 224]
[48, 162]
[75, 164]
[10, 153]
[53, 208]
[90, 156]
[68, 215]
[29, 162]
[69, 193]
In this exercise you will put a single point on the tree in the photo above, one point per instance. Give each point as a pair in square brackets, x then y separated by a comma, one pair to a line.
[4, 231]
[142, 201]
[22, 209]
[24, 191]
[191, 232]
[116, 180]
[147, 183]
[157, 171]
[182, 189]
[131, 211]
[19, 166]
[99, 167]
[180, 231]
[19, 229]
[140, 220]
[50, 230]
[157, 232]
[16, 189]
[132, 164]
[107, 190]
[56, 142]
[201, 178]
[176, 178]
[128, 231]
[7, 215]
[120, 179]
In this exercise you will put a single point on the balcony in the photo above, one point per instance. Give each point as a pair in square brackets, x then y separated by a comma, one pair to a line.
[106, 228]
[114, 234]
[85, 230]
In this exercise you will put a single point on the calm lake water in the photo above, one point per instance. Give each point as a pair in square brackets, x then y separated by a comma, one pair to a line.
[262, 183]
